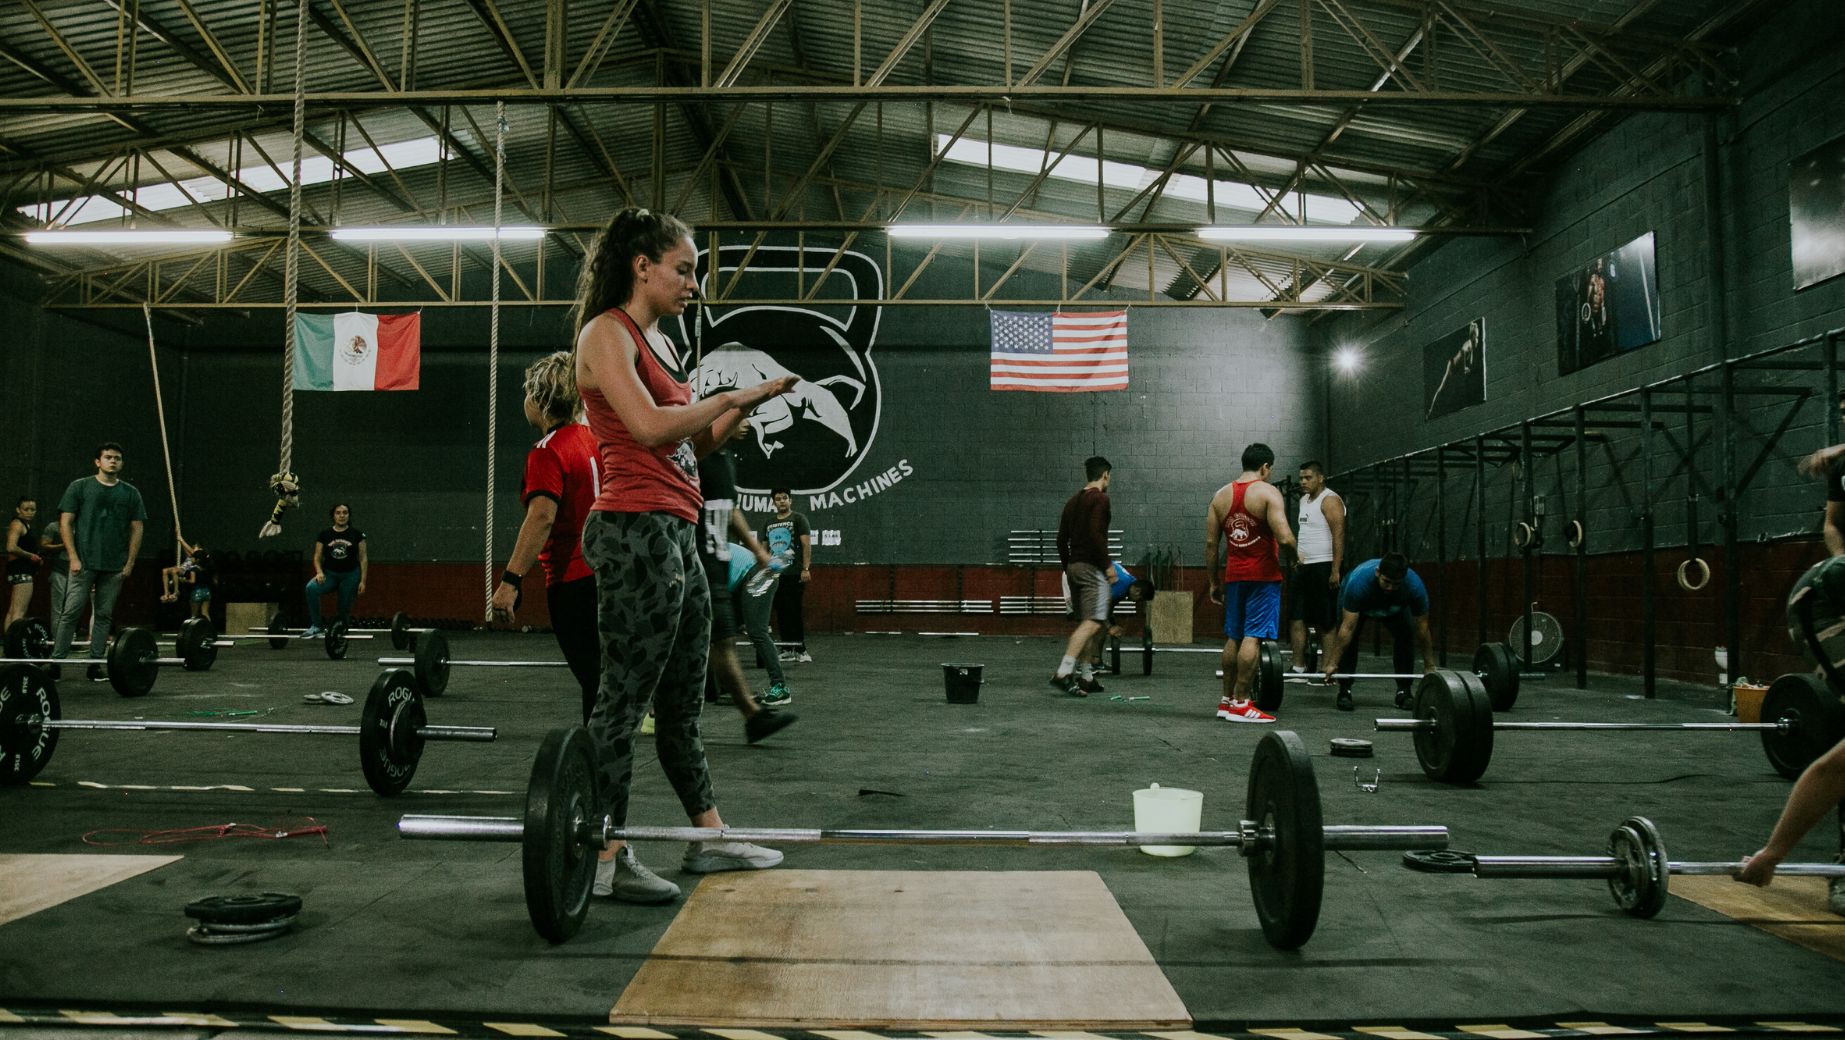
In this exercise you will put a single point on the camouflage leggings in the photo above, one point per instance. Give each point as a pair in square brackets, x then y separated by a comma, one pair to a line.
[653, 610]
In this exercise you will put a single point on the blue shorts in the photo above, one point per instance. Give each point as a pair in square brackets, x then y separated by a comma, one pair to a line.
[201, 594]
[1252, 609]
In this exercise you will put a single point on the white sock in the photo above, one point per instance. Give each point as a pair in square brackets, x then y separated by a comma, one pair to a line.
[1066, 667]
[1086, 670]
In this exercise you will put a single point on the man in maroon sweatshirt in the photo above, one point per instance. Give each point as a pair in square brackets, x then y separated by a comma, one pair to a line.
[1082, 546]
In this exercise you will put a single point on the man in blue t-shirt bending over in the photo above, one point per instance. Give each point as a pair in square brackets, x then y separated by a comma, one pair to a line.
[1387, 590]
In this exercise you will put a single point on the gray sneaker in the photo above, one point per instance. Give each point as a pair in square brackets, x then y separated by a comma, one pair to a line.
[627, 880]
[1835, 895]
[710, 857]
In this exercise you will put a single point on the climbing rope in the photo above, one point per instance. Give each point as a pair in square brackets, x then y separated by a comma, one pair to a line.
[160, 409]
[489, 578]
[284, 484]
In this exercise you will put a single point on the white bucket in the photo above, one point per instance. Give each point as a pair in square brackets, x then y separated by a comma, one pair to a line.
[1168, 810]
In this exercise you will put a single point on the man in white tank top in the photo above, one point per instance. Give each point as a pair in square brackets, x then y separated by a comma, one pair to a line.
[1313, 594]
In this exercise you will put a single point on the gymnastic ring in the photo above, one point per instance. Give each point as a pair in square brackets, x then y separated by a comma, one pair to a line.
[1577, 534]
[1703, 574]
[1523, 534]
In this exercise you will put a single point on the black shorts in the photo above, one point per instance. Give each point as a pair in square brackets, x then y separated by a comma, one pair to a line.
[1310, 599]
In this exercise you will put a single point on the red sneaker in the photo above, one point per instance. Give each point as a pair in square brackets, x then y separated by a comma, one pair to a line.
[1242, 711]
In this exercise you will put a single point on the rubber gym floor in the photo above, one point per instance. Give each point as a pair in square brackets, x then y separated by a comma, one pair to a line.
[412, 936]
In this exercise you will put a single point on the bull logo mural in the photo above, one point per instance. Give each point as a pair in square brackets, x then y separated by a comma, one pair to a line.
[812, 438]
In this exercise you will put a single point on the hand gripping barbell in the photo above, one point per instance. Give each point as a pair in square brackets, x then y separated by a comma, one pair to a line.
[391, 730]
[1453, 725]
[1636, 867]
[1495, 664]
[565, 825]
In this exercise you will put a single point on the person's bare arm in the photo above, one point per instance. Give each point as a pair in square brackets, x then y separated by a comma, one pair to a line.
[1335, 642]
[1213, 533]
[66, 529]
[606, 357]
[1818, 463]
[13, 548]
[1332, 507]
[1835, 528]
[319, 573]
[1425, 644]
[1815, 794]
[1277, 518]
[134, 546]
[540, 515]
[807, 556]
[365, 564]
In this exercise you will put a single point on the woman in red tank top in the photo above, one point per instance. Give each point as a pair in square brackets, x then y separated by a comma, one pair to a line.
[642, 537]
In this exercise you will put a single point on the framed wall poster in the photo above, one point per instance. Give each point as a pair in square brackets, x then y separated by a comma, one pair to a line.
[1608, 306]
[1454, 371]
[1816, 214]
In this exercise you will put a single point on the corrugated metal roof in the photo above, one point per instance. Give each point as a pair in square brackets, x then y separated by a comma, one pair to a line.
[1451, 155]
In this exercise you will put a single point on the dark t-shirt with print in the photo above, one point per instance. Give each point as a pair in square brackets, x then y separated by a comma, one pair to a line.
[339, 550]
[782, 537]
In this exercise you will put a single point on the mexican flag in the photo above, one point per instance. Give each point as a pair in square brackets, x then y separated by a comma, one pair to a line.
[358, 351]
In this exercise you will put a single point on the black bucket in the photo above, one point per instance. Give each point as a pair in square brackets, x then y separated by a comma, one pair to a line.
[963, 682]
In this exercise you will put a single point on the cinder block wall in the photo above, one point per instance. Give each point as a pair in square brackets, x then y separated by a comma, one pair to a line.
[1714, 191]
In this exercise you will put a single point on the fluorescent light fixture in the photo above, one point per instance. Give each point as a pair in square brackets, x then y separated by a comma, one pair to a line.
[128, 237]
[1003, 231]
[434, 234]
[1348, 359]
[1301, 233]
[258, 177]
[1236, 196]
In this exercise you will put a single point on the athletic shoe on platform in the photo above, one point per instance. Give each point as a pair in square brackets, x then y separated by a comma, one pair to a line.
[96, 674]
[758, 726]
[1090, 685]
[710, 857]
[1835, 895]
[789, 657]
[1402, 698]
[627, 880]
[647, 725]
[1243, 711]
[314, 632]
[776, 695]
[1069, 685]
[1344, 702]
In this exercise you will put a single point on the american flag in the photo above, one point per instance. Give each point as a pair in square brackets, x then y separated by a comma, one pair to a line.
[1058, 352]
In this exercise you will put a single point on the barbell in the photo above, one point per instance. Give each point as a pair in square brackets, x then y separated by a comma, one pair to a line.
[1495, 664]
[403, 633]
[334, 640]
[1282, 837]
[1453, 725]
[392, 728]
[196, 648]
[1636, 867]
[1147, 650]
[431, 663]
[133, 663]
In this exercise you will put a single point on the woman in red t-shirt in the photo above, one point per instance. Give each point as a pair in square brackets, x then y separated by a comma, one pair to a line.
[642, 538]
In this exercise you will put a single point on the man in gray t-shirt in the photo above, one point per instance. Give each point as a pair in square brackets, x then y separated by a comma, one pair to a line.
[101, 519]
